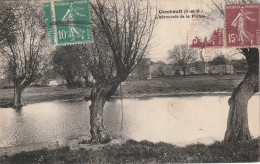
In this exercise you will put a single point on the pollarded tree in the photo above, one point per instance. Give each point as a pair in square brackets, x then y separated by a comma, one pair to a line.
[237, 123]
[25, 48]
[122, 31]
[183, 56]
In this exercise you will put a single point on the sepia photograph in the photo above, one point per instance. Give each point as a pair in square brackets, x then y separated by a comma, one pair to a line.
[129, 81]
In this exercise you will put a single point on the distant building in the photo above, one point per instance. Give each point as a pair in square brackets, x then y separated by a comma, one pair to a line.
[220, 69]
[156, 69]
[53, 83]
[159, 69]
[148, 69]
[167, 69]
[207, 69]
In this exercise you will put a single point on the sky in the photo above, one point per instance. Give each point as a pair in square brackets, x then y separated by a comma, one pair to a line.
[174, 31]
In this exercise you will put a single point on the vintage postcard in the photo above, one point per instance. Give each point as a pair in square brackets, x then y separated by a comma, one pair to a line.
[129, 81]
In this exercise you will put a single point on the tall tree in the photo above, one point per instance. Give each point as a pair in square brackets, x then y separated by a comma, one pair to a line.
[25, 48]
[237, 123]
[183, 56]
[122, 30]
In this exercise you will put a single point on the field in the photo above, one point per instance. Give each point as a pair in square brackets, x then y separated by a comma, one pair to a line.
[153, 87]
[42, 94]
[173, 85]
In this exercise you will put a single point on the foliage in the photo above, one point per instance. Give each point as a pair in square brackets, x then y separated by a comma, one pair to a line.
[240, 64]
[7, 22]
[182, 56]
[68, 63]
[199, 66]
[24, 49]
[219, 60]
[122, 32]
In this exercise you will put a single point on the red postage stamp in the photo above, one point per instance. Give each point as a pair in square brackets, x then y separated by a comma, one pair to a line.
[214, 40]
[242, 25]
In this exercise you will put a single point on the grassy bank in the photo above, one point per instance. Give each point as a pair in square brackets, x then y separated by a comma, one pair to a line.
[154, 87]
[179, 84]
[143, 152]
[42, 94]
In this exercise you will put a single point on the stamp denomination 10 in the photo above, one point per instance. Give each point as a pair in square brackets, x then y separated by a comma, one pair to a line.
[68, 22]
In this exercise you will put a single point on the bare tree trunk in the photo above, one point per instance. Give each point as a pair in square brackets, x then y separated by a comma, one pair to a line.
[70, 82]
[237, 125]
[203, 61]
[98, 98]
[184, 72]
[17, 101]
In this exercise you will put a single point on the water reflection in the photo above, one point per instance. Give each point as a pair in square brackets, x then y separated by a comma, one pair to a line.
[177, 120]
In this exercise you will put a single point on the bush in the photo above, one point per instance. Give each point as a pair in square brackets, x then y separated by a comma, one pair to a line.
[75, 84]
[38, 85]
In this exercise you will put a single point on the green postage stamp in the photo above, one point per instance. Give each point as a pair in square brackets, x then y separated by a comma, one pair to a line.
[68, 22]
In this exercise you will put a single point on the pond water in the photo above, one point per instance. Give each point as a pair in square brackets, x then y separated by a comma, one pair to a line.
[176, 120]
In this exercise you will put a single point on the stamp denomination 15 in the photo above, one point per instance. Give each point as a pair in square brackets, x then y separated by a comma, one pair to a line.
[242, 25]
